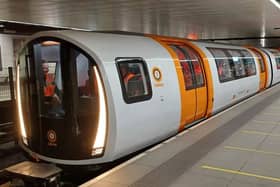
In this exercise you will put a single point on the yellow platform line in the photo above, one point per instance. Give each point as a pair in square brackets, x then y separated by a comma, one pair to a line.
[252, 150]
[241, 173]
[266, 122]
[271, 114]
[260, 133]
[275, 107]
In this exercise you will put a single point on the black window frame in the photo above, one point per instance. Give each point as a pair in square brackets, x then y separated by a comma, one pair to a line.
[135, 99]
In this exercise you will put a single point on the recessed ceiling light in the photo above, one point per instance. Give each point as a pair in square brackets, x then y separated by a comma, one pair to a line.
[276, 3]
[50, 43]
[2, 26]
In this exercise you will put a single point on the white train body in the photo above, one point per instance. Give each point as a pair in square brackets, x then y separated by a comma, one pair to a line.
[228, 93]
[128, 124]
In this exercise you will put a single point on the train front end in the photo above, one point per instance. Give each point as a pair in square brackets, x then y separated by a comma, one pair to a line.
[61, 102]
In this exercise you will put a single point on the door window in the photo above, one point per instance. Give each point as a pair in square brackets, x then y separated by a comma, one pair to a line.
[186, 67]
[197, 67]
[191, 66]
[48, 70]
[86, 84]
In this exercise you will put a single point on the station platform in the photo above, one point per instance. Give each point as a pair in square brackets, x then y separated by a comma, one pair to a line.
[237, 147]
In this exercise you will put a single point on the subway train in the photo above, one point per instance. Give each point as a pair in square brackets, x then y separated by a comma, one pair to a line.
[92, 97]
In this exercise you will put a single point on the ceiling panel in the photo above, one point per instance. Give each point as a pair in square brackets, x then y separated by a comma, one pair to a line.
[206, 19]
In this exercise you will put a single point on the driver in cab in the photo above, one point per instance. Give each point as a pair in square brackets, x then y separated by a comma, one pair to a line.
[49, 84]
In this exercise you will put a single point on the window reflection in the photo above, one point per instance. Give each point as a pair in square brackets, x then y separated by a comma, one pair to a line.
[134, 79]
[233, 64]
[48, 68]
[52, 87]
[83, 76]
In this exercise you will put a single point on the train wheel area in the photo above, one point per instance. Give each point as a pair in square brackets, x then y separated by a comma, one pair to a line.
[237, 147]
[28, 173]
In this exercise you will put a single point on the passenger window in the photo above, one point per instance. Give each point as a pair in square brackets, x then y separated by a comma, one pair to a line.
[135, 79]
[277, 59]
[238, 62]
[249, 63]
[278, 62]
[276, 53]
[186, 67]
[224, 64]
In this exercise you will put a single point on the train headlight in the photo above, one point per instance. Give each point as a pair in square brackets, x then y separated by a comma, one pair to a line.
[99, 143]
[20, 112]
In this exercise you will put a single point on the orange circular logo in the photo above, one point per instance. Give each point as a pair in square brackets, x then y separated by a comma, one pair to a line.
[51, 136]
[157, 74]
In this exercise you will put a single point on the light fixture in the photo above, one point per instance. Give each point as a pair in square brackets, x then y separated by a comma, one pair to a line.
[276, 3]
[192, 36]
[235, 58]
[50, 43]
[20, 112]
[99, 143]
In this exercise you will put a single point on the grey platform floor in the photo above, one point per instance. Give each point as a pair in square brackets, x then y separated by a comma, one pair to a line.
[239, 147]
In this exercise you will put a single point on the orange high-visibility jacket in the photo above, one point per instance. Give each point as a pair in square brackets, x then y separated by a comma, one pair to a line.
[49, 87]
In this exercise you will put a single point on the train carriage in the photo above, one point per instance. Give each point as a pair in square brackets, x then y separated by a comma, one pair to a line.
[90, 98]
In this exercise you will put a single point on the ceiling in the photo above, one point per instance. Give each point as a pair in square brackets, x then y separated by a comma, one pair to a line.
[207, 19]
[22, 29]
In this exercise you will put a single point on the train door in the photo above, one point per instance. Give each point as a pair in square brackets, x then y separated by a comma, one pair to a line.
[195, 90]
[188, 92]
[263, 68]
[201, 89]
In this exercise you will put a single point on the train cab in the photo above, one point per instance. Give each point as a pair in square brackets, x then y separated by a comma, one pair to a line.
[61, 102]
